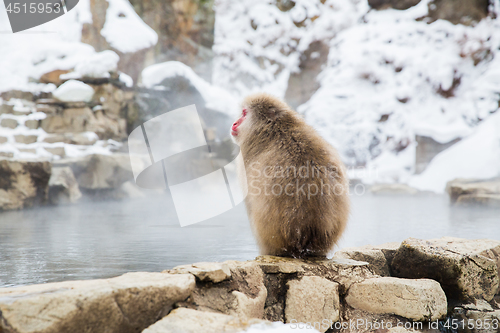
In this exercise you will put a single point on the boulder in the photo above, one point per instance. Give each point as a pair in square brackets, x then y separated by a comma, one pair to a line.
[486, 200]
[312, 299]
[185, 31]
[396, 4]
[473, 191]
[467, 12]
[205, 271]
[242, 295]
[98, 172]
[9, 123]
[191, 321]
[53, 76]
[279, 271]
[70, 120]
[6, 108]
[79, 120]
[3, 139]
[379, 257]
[465, 268]
[32, 123]
[63, 187]
[74, 91]
[128, 303]
[417, 300]
[58, 151]
[23, 183]
[26, 139]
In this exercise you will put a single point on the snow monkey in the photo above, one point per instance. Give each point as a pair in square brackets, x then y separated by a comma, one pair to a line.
[297, 202]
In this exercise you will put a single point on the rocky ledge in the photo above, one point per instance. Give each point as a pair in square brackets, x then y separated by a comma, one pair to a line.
[413, 286]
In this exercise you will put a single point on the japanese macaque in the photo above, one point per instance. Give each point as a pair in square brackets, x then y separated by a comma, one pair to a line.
[298, 200]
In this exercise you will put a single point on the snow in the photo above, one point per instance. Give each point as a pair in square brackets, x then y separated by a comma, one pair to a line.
[389, 77]
[126, 79]
[477, 156]
[124, 30]
[215, 97]
[279, 327]
[74, 91]
[97, 65]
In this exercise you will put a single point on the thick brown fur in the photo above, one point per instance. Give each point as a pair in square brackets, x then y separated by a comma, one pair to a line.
[276, 143]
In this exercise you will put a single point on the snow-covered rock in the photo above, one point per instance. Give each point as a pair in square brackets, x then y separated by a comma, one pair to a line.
[74, 91]
[97, 65]
[124, 30]
[215, 97]
[390, 75]
[477, 156]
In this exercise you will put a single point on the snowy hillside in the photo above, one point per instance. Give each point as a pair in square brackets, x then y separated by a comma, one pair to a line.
[390, 75]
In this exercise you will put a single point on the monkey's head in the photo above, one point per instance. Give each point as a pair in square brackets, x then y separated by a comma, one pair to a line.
[261, 113]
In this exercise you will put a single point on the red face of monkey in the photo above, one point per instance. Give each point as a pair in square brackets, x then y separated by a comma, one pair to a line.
[235, 129]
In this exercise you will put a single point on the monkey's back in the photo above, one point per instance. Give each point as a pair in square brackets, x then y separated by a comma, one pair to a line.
[298, 199]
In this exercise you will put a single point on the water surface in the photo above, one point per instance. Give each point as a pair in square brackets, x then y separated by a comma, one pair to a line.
[106, 239]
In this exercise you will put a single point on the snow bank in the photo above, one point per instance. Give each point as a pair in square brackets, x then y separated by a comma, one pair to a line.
[388, 77]
[477, 156]
[257, 45]
[124, 30]
[56, 45]
[74, 91]
[215, 98]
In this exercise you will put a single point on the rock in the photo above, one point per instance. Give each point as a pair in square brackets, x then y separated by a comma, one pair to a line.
[466, 12]
[32, 123]
[417, 300]
[302, 85]
[205, 271]
[6, 154]
[110, 97]
[17, 94]
[26, 139]
[84, 138]
[487, 200]
[48, 109]
[53, 76]
[59, 151]
[130, 62]
[379, 257]
[191, 321]
[23, 184]
[3, 139]
[393, 189]
[6, 108]
[71, 120]
[63, 187]
[185, 32]
[243, 295]
[465, 268]
[427, 149]
[53, 138]
[128, 303]
[74, 91]
[9, 123]
[473, 191]
[28, 150]
[98, 172]
[312, 299]
[396, 4]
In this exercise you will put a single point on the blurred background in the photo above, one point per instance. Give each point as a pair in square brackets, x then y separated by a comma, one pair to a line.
[408, 91]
